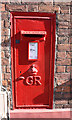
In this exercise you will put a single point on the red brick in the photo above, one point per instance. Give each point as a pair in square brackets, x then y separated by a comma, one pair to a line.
[3, 76]
[68, 95]
[2, 54]
[8, 88]
[5, 61]
[3, 69]
[62, 76]
[63, 24]
[5, 1]
[7, 54]
[62, 3]
[4, 48]
[7, 24]
[70, 101]
[58, 96]
[5, 40]
[70, 25]
[63, 106]
[61, 54]
[63, 40]
[64, 8]
[8, 82]
[63, 47]
[70, 40]
[4, 83]
[14, 7]
[2, 23]
[2, 38]
[60, 68]
[5, 15]
[71, 47]
[71, 74]
[15, 1]
[62, 95]
[68, 106]
[70, 32]
[32, 8]
[61, 102]
[64, 17]
[45, 3]
[69, 54]
[47, 8]
[63, 62]
[59, 106]
[2, 7]
[71, 89]
[69, 82]
[5, 31]
[8, 69]
[64, 32]
[4, 43]
[60, 82]
[64, 11]
[7, 76]
[62, 88]
[69, 68]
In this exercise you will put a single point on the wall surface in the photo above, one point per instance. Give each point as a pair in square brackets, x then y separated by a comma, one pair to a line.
[63, 68]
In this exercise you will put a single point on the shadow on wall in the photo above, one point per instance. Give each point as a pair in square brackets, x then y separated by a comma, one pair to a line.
[63, 94]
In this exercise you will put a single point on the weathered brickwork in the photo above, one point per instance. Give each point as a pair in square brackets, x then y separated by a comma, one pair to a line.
[63, 72]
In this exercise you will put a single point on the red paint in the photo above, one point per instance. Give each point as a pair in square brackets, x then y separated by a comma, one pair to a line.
[40, 96]
[33, 80]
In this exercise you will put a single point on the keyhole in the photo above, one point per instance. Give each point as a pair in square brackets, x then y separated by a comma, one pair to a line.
[20, 71]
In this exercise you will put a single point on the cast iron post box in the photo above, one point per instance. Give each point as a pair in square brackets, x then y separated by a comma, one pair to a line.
[32, 53]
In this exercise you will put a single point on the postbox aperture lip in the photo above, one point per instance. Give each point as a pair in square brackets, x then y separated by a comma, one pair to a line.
[41, 35]
[34, 32]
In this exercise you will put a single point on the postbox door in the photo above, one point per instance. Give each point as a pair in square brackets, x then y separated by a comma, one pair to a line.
[33, 60]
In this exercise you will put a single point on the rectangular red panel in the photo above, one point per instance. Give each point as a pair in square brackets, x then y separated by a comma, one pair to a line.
[33, 51]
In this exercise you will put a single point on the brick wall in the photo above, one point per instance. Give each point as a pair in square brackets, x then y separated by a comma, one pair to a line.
[63, 82]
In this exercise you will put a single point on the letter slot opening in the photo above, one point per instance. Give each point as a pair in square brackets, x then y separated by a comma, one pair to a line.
[34, 35]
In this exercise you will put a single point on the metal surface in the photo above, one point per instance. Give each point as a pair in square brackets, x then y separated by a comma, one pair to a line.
[33, 32]
[34, 90]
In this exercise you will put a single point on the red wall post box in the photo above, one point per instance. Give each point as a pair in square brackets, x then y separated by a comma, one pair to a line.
[32, 54]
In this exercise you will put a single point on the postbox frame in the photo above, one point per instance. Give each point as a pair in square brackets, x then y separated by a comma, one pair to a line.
[35, 15]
